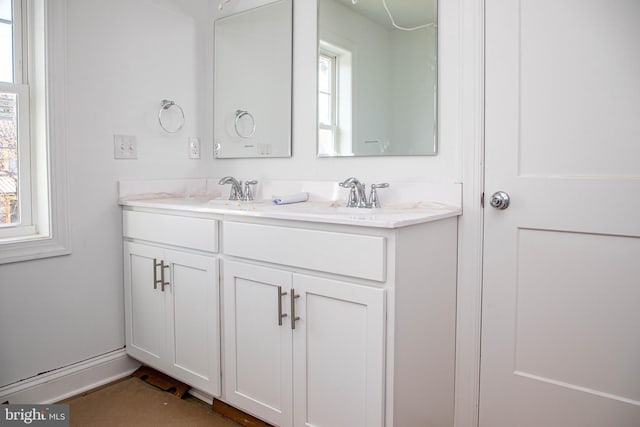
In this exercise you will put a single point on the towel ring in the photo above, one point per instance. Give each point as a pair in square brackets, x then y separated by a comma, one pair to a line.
[239, 115]
[166, 105]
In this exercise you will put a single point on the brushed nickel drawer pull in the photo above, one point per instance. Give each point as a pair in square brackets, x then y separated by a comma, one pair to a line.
[293, 308]
[162, 282]
[280, 315]
[155, 273]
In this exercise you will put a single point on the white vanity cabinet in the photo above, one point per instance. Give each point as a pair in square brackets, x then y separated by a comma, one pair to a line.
[172, 296]
[301, 349]
[333, 325]
[349, 323]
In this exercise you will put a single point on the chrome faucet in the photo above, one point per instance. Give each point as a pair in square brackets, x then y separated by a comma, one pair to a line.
[247, 194]
[357, 196]
[374, 201]
[236, 187]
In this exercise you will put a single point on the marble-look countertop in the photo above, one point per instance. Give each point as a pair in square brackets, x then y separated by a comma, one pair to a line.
[392, 215]
[403, 203]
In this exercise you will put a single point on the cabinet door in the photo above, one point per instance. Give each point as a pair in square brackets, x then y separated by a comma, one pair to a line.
[193, 322]
[257, 347]
[338, 354]
[144, 304]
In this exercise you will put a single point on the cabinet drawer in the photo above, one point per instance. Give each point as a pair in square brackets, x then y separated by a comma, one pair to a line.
[352, 255]
[188, 232]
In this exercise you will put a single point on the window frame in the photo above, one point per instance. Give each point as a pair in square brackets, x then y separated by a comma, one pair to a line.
[26, 225]
[332, 127]
[342, 130]
[42, 63]
[333, 87]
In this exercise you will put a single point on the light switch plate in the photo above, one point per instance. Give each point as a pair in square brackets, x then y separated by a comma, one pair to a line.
[125, 147]
[194, 148]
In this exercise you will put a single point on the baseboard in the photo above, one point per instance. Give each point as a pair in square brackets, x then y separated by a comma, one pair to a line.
[71, 380]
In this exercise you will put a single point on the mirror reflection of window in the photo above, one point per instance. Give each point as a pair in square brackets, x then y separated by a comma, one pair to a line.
[334, 100]
[327, 123]
[383, 101]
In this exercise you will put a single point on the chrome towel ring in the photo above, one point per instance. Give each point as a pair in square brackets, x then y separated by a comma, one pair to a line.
[165, 124]
[239, 115]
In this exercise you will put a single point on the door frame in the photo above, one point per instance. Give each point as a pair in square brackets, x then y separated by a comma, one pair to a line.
[471, 224]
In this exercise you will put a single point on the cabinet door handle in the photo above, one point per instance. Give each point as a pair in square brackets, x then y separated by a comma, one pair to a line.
[162, 282]
[280, 315]
[155, 273]
[293, 308]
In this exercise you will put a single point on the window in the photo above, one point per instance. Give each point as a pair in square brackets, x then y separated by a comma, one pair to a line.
[14, 114]
[327, 102]
[32, 189]
[334, 99]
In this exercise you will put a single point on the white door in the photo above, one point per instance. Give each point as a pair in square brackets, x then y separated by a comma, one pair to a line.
[561, 291]
[193, 320]
[144, 304]
[338, 354]
[257, 341]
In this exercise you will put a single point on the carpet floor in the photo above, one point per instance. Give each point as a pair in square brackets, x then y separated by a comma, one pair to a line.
[132, 402]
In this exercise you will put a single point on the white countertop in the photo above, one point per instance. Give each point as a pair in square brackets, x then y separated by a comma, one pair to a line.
[392, 216]
[403, 203]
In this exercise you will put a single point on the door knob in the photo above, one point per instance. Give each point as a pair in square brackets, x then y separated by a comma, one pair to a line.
[500, 200]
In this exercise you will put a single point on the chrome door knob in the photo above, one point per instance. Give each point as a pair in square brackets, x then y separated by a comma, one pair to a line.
[500, 200]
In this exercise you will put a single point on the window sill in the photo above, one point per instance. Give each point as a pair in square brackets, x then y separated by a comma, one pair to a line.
[31, 247]
[19, 233]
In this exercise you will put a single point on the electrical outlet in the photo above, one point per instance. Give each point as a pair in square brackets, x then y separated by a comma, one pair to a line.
[194, 148]
[125, 147]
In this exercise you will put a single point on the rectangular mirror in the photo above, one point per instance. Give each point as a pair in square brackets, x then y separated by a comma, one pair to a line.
[377, 77]
[252, 81]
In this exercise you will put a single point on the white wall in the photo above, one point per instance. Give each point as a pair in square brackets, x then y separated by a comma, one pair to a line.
[413, 69]
[443, 168]
[123, 58]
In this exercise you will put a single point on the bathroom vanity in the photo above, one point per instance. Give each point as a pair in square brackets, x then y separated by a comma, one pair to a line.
[305, 314]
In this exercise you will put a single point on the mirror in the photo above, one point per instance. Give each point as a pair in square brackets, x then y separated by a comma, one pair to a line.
[377, 77]
[252, 81]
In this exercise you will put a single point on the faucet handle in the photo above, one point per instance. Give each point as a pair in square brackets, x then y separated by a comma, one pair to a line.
[352, 202]
[374, 201]
[381, 185]
[247, 195]
[353, 197]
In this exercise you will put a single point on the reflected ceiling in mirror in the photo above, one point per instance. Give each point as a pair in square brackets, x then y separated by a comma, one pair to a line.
[377, 77]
